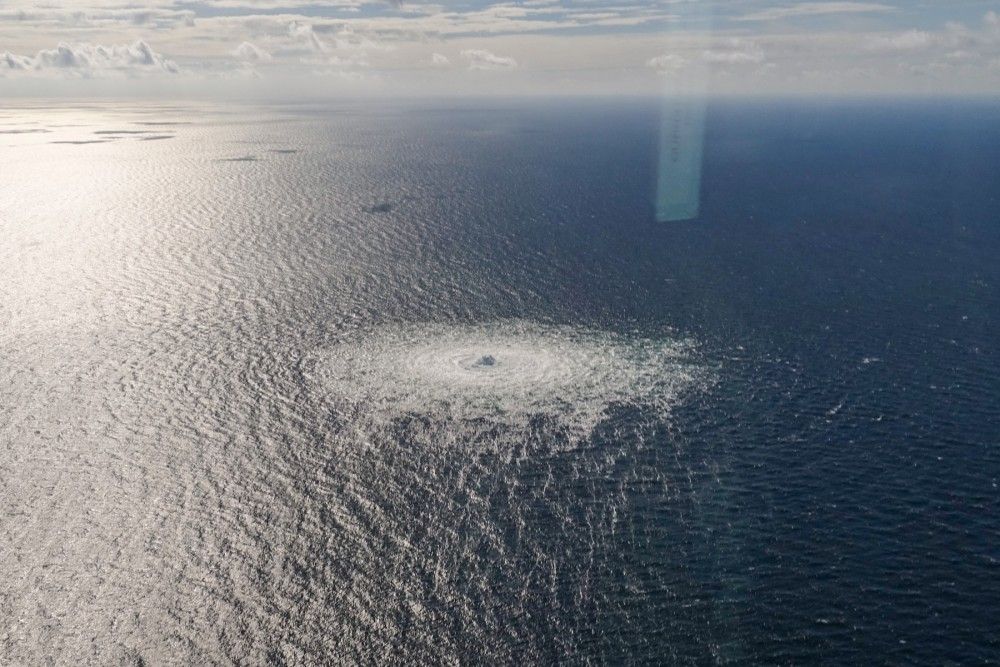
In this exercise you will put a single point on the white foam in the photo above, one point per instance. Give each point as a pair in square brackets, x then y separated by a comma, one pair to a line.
[505, 373]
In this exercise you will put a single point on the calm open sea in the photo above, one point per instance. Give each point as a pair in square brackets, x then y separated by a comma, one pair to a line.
[426, 383]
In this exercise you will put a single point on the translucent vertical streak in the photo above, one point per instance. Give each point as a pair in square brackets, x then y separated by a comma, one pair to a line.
[682, 130]
[678, 190]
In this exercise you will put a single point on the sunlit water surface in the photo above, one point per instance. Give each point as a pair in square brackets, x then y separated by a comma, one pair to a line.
[426, 384]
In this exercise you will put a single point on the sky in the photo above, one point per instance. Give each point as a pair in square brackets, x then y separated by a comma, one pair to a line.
[291, 49]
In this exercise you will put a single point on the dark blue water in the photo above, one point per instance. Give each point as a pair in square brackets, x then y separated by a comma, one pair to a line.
[845, 272]
[185, 479]
[845, 268]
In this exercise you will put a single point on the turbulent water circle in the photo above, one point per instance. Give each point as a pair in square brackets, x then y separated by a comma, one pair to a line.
[506, 373]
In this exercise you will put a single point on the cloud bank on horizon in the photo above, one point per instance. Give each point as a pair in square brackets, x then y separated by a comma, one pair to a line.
[290, 48]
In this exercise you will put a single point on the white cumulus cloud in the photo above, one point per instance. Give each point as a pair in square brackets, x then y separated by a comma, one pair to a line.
[669, 62]
[305, 32]
[252, 54]
[91, 60]
[481, 59]
[734, 55]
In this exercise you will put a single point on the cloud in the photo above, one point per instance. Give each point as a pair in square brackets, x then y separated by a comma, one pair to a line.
[305, 33]
[251, 53]
[956, 42]
[348, 39]
[815, 9]
[45, 16]
[12, 61]
[598, 46]
[669, 62]
[90, 60]
[729, 52]
[481, 59]
[734, 54]
[909, 40]
[340, 52]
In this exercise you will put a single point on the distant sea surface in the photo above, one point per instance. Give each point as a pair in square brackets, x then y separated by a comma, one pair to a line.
[426, 383]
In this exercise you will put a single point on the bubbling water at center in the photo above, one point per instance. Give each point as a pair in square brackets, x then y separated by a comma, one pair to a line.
[506, 373]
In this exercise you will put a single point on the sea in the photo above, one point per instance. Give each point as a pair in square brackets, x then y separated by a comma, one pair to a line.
[429, 382]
